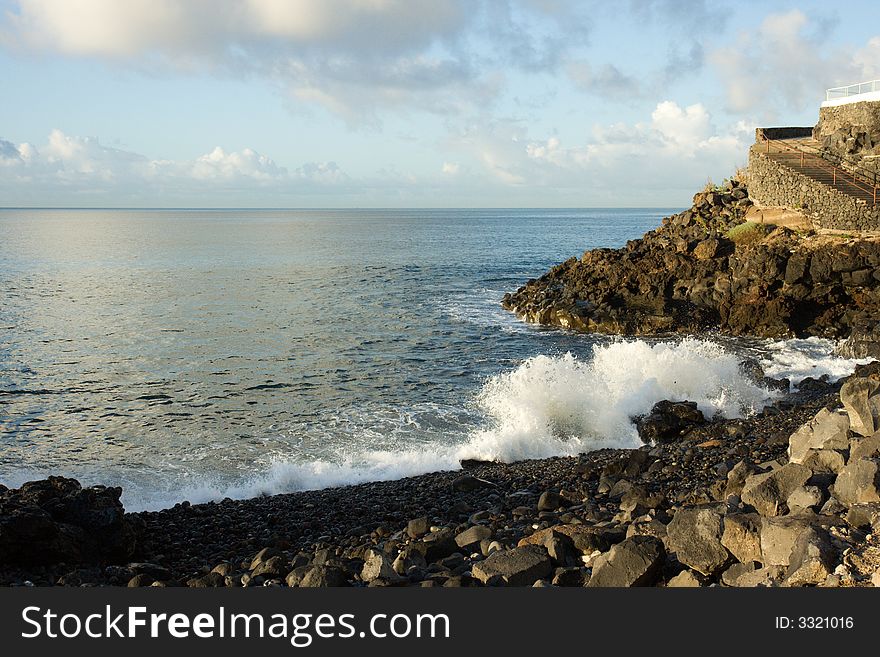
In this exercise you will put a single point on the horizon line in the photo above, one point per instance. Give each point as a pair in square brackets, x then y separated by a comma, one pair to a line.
[290, 208]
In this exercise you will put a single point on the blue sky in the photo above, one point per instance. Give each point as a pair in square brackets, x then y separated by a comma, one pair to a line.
[406, 103]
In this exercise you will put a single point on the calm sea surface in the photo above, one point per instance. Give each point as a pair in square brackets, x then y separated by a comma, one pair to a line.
[194, 354]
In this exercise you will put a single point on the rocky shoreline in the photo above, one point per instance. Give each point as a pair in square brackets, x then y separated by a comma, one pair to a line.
[708, 268]
[710, 502]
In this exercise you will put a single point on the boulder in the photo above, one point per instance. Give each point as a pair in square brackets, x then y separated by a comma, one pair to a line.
[768, 492]
[468, 483]
[695, 536]
[737, 476]
[323, 576]
[824, 461]
[378, 565]
[805, 497]
[859, 482]
[56, 520]
[668, 421]
[550, 501]
[861, 400]
[779, 535]
[864, 447]
[864, 515]
[827, 430]
[812, 558]
[417, 527]
[684, 580]
[521, 566]
[742, 536]
[637, 561]
[471, 537]
[586, 539]
[437, 545]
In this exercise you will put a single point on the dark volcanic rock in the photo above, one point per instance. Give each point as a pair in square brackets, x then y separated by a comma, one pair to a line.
[705, 268]
[57, 520]
[637, 561]
[668, 420]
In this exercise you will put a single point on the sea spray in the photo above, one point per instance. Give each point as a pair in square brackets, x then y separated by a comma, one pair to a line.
[547, 406]
[554, 405]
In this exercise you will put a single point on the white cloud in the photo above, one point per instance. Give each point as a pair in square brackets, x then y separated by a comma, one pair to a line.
[82, 165]
[450, 168]
[785, 63]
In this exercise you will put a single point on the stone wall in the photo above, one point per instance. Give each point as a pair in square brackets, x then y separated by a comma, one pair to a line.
[783, 133]
[771, 183]
[865, 115]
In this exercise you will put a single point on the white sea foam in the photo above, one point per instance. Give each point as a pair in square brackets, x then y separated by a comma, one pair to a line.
[797, 359]
[547, 406]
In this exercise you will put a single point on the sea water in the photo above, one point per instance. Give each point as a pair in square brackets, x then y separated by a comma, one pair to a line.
[200, 354]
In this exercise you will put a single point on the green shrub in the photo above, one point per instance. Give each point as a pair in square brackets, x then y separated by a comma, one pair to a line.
[748, 232]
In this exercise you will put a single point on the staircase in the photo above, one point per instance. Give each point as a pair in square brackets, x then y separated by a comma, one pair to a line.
[804, 155]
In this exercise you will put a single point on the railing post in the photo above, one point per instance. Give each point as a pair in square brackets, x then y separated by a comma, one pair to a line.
[834, 175]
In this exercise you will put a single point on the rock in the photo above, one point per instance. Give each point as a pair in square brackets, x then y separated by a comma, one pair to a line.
[637, 561]
[468, 483]
[140, 580]
[737, 476]
[271, 568]
[864, 515]
[586, 539]
[668, 420]
[570, 576]
[521, 566]
[707, 249]
[262, 556]
[561, 550]
[695, 536]
[768, 492]
[417, 527]
[812, 558]
[409, 558]
[859, 482]
[57, 520]
[827, 430]
[805, 497]
[377, 565]
[438, 544]
[750, 576]
[471, 537]
[742, 536]
[875, 578]
[684, 580]
[323, 576]
[864, 447]
[862, 403]
[737, 571]
[550, 501]
[824, 461]
[295, 577]
[778, 538]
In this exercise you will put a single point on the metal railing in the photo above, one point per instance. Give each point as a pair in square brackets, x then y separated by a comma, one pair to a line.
[860, 178]
[852, 90]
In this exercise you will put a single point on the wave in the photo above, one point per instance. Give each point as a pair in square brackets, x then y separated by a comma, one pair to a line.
[550, 405]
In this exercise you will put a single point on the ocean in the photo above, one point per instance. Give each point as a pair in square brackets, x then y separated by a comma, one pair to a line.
[202, 354]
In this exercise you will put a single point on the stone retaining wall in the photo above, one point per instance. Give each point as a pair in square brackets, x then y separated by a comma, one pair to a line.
[771, 183]
[864, 115]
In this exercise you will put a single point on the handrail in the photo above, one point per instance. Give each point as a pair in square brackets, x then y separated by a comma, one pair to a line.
[852, 89]
[867, 185]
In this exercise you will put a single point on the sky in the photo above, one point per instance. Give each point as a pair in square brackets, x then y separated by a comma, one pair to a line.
[406, 103]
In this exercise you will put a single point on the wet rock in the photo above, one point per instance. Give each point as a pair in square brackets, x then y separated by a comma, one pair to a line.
[668, 421]
[637, 561]
[695, 536]
[521, 566]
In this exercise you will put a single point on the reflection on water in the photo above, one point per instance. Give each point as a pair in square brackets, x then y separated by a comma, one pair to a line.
[150, 348]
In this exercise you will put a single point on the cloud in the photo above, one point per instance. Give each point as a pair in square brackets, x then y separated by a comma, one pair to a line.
[786, 64]
[84, 166]
[658, 161]
[450, 168]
